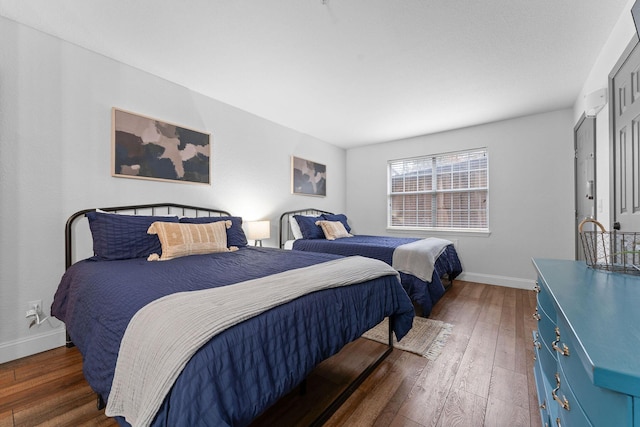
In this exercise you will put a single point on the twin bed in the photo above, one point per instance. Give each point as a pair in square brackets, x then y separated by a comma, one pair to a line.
[427, 267]
[233, 327]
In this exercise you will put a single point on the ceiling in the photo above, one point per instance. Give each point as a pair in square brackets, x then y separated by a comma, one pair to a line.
[350, 72]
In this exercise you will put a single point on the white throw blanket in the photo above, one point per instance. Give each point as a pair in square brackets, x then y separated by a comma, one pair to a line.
[161, 337]
[419, 257]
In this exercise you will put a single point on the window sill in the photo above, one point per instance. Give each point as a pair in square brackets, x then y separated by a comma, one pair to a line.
[441, 231]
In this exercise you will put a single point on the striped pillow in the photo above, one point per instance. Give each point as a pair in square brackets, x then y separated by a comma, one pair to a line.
[180, 239]
[333, 229]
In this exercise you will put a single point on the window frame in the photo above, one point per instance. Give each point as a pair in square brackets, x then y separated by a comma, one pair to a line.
[436, 192]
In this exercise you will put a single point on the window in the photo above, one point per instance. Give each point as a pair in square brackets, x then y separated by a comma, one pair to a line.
[444, 191]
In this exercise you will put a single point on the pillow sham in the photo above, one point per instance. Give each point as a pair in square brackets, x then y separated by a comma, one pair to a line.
[235, 234]
[182, 239]
[333, 229]
[117, 236]
[295, 228]
[338, 217]
[308, 226]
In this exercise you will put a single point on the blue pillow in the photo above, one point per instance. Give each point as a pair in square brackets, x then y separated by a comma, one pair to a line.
[308, 226]
[118, 236]
[338, 217]
[235, 234]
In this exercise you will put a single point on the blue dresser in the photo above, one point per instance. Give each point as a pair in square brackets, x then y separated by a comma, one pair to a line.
[587, 345]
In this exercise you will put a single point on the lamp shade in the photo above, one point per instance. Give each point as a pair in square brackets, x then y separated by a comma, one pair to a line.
[258, 230]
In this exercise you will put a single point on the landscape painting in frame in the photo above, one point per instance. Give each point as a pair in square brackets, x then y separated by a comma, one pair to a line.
[147, 148]
[307, 177]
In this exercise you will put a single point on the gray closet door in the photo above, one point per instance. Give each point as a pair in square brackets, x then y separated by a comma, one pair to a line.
[624, 88]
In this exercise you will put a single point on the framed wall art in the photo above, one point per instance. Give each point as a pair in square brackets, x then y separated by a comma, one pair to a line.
[308, 178]
[147, 148]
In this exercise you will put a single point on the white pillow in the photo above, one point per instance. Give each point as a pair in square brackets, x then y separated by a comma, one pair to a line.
[295, 228]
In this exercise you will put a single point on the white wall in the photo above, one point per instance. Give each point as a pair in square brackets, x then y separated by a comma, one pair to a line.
[530, 196]
[55, 101]
[55, 151]
[621, 35]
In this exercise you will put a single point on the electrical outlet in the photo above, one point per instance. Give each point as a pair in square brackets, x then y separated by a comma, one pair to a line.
[35, 306]
[34, 313]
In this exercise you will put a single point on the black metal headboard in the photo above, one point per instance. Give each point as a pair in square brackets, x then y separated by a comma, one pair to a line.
[150, 209]
[285, 222]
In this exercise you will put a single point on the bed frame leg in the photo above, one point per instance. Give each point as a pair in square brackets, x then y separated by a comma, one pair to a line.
[303, 387]
[100, 403]
[69, 343]
[446, 283]
[335, 405]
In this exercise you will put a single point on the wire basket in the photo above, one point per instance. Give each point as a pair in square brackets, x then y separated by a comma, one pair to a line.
[616, 251]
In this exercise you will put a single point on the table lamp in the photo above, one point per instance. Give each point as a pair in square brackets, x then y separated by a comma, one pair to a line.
[258, 230]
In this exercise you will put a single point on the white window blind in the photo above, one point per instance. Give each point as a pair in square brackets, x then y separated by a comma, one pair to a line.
[447, 191]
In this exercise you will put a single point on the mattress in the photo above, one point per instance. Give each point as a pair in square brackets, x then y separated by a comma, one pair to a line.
[243, 370]
[423, 293]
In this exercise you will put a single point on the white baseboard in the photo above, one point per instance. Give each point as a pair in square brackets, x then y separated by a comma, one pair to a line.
[489, 279]
[23, 347]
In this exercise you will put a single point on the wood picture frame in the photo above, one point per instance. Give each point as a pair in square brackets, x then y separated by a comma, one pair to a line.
[148, 148]
[308, 178]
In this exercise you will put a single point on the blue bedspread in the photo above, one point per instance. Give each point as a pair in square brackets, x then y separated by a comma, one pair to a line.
[243, 370]
[425, 294]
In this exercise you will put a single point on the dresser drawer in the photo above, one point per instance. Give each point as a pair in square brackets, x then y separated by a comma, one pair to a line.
[544, 392]
[570, 411]
[546, 328]
[545, 359]
[544, 299]
[602, 406]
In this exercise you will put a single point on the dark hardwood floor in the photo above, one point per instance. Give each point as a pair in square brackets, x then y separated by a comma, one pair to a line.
[484, 376]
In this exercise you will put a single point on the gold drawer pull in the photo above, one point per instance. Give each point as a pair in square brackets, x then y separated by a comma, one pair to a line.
[563, 402]
[558, 422]
[536, 315]
[564, 350]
